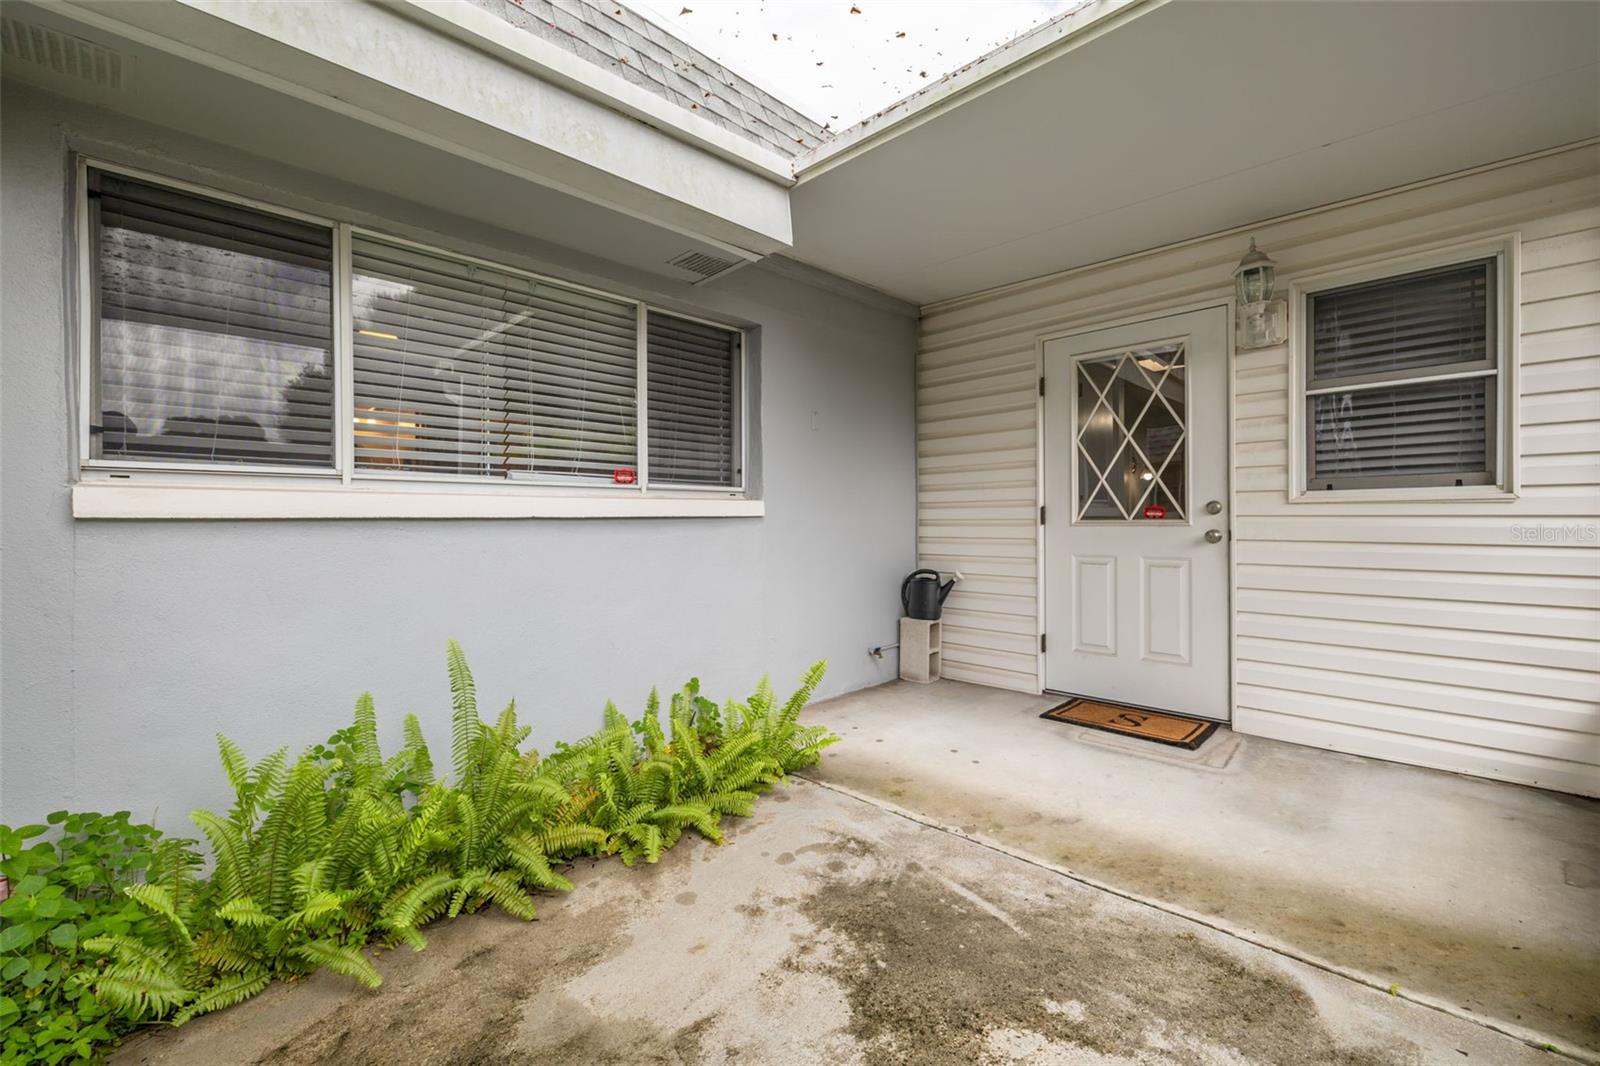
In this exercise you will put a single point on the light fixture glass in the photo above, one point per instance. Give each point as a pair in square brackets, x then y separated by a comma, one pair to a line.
[1261, 315]
[1254, 275]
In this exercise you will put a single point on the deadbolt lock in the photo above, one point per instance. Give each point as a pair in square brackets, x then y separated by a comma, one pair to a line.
[1214, 507]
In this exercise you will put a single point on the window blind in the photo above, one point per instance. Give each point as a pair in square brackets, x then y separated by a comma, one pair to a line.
[693, 375]
[464, 369]
[1403, 326]
[1402, 379]
[215, 327]
[1437, 428]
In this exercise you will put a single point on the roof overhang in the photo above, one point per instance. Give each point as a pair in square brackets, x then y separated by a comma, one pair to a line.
[1122, 127]
[449, 76]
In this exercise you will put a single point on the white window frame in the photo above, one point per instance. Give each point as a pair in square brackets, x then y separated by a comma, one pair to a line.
[123, 488]
[1505, 250]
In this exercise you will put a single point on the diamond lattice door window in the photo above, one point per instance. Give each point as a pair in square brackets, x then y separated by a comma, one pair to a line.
[1131, 437]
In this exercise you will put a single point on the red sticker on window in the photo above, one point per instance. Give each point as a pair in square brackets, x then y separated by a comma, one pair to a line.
[624, 476]
[1155, 510]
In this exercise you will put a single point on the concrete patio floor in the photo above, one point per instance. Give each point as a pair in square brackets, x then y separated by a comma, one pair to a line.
[830, 930]
[1468, 893]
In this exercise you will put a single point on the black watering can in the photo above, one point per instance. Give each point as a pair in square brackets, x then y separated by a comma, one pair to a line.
[922, 596]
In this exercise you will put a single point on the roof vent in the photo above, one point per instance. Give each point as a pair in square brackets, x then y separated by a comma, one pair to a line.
[707, 266]
[69, 56]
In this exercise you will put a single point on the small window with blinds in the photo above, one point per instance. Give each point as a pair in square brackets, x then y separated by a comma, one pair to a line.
[465, 369]
[693, 403]
[1402, 379]
[213, 331]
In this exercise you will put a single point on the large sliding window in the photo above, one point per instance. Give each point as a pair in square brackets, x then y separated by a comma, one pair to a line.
[237, 338]
[465, 369]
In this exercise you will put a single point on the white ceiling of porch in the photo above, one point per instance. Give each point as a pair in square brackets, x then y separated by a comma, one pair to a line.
[1197, 117]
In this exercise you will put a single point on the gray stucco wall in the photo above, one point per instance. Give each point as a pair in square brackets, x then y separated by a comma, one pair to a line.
[126, 646]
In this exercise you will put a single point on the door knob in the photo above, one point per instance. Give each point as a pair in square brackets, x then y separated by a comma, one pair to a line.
[1214, 507]
[1213, 536]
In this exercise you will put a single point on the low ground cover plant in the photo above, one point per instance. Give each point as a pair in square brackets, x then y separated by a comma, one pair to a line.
[65, 880]
[110, 924]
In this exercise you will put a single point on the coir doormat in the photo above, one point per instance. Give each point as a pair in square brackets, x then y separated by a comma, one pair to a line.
[1174, 729]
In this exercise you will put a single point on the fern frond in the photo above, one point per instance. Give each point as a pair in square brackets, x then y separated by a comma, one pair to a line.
[129, 950]
[405, 909]
[762, 700]
[318, 908]
[577, 838]
[232, 874]
[233, 989]
[503, 888]
[732, 754]
[235, 765]
[464, 722]
[698, 815]
[640, 840]
[265, 779]
[738, 803]
[526, 854]
[802, 695]
[416, 745]
[295, 826]
[735, 717]
[245, 912]
[140, 993]
[467, 884]
[691, 755]
[156, 898]
[341, 959]
[542, 791]
[225, 955]
[365, 740]
[804, 748]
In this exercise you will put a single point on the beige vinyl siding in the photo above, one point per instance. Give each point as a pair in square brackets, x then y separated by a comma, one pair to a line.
[1420, 631]
[977, 505]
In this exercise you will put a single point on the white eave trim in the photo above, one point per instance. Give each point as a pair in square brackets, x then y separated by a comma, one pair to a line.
[265, 500]
[467, 22]
[1011, 60]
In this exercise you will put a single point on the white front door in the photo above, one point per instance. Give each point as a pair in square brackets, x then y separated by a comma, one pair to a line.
[1136, 521]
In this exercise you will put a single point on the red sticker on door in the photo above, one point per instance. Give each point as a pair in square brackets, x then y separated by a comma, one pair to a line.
[624, 476]
[1155, 510]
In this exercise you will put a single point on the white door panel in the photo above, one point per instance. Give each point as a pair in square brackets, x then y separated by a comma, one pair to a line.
[1164, 599]
[1094, 597]
[1136, 475]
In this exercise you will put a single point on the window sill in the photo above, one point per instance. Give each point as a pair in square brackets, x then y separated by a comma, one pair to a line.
[1434, 494]
[193, 500]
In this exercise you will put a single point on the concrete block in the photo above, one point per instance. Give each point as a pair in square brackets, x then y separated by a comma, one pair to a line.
[920, 651]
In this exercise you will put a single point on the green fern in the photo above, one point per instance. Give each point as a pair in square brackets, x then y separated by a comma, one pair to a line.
[317, 855]
[341, 959]
[229, 991]
[464, 722]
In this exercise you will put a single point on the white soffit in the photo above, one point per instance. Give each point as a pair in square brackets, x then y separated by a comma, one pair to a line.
[284, 145]
[458, 79]
[1188, 118]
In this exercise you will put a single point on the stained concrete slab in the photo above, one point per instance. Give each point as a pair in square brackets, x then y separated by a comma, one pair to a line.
[831, 931]
[1478, 893]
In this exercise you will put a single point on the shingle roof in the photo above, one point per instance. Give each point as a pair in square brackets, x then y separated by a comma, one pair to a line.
[616, 38]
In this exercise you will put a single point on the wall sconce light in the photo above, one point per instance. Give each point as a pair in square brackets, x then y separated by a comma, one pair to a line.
[1262, 316]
